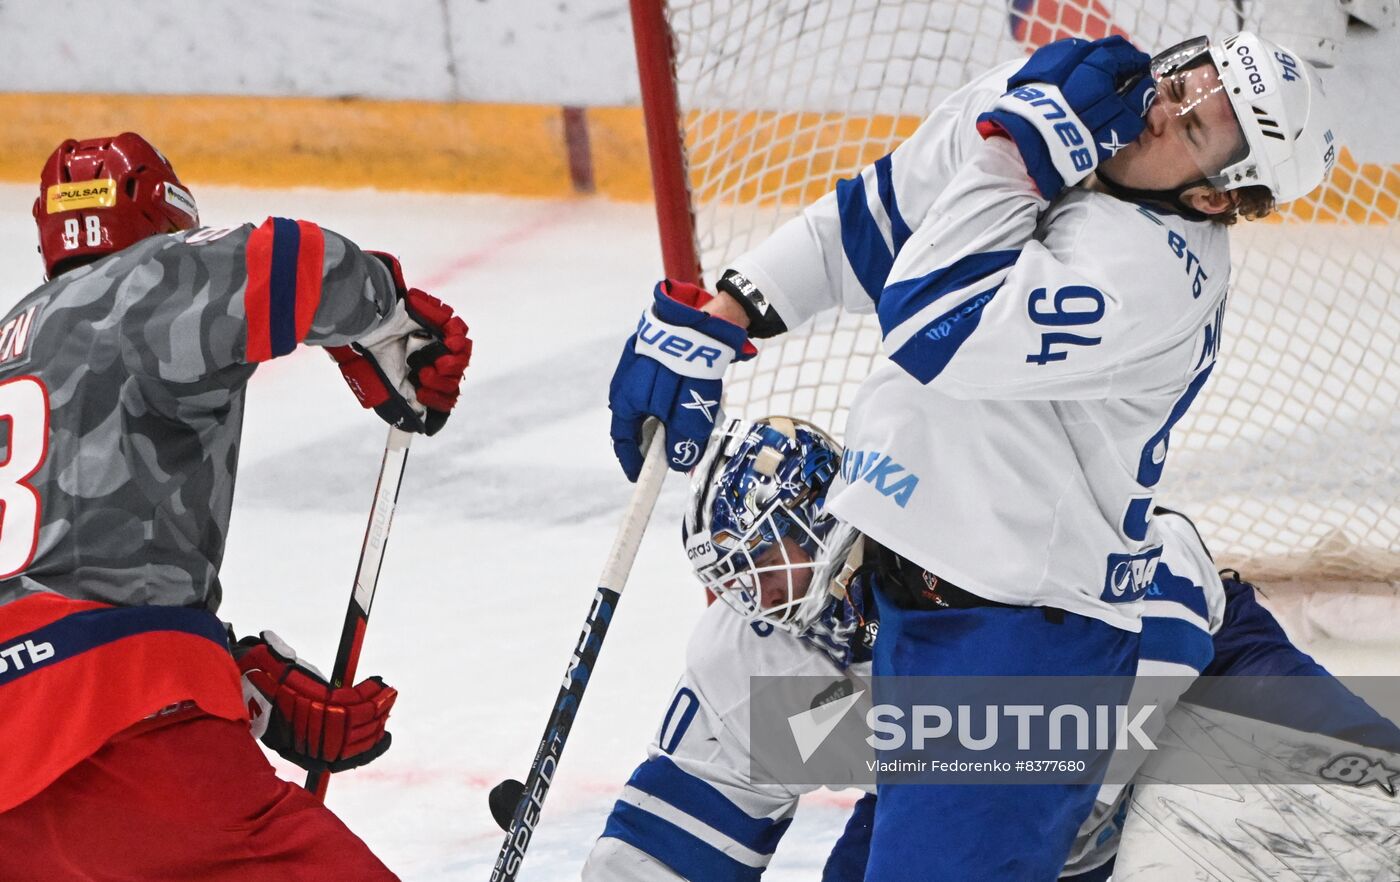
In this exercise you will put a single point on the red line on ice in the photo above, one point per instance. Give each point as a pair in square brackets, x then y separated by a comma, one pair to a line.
[558, 213]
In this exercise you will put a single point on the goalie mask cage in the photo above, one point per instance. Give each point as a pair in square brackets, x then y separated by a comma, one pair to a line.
[1288, 461]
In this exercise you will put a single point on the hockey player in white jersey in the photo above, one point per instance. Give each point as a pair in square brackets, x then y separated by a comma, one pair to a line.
[1048, 259]
[760, 539]
[755, 531]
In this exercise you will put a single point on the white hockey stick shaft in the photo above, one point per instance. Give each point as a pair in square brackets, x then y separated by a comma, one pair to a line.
[637, 515]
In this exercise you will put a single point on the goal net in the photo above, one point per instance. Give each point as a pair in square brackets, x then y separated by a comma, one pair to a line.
[1288, 462]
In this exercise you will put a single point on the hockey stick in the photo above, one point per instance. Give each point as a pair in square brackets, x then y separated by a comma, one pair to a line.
[516, 806]
[381, 516]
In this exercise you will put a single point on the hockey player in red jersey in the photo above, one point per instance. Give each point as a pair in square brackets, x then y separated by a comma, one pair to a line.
[126, 727]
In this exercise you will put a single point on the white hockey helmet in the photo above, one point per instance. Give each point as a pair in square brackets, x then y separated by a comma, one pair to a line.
[1282, 109]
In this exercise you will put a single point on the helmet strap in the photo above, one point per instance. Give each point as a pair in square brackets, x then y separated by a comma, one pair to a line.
[854, 559]
[1168, 200]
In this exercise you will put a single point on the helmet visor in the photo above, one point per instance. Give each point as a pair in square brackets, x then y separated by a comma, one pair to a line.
[1192, 109]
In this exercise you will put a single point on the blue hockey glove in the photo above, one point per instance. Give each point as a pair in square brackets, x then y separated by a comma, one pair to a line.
[1073, 104]
[672, 368]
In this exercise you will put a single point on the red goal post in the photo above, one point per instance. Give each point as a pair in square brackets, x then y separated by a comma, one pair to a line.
[1290, 462]
[656, 69]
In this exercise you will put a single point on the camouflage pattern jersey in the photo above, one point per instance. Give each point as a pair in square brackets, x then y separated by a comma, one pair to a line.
[121, 404]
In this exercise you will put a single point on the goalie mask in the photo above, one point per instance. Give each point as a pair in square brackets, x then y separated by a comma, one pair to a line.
[757, 530]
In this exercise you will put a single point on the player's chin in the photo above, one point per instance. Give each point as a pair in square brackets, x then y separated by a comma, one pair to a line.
[1124, 163]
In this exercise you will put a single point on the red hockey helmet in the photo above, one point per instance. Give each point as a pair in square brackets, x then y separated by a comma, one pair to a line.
[101, 195]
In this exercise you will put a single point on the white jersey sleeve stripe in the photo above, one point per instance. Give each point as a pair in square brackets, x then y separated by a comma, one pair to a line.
[661, 778]
[654, 805]
[884, 177]
[872, 228]
[1150, 668]
[876, 207]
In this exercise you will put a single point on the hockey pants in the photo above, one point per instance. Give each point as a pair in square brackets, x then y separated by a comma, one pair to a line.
[975, 832]
[194, 799]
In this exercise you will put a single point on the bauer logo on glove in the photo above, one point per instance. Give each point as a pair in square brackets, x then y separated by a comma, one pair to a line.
[1073, 104]
[672, 368]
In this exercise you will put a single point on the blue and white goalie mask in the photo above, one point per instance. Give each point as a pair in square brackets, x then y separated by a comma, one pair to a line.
[757, 529]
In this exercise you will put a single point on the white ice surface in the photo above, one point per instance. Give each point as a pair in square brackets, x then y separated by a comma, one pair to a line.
[501, 531]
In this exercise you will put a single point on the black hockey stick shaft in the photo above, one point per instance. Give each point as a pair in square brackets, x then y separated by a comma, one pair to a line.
[529, 797]
[352, 633]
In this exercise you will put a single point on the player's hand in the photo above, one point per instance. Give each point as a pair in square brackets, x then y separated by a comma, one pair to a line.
[1073, 104]
[410, 367]
[672, 368]
[298, 714]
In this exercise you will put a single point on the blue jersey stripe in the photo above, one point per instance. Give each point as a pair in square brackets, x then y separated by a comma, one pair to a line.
[282, 285]
[688, 855]
[928, 352]
[884, 178]
[80, 632]
[662, 778]
[902, 300]
[1135, 518]
[1167, 585]
[1152, 461]
[865, 248]
[1175, 640]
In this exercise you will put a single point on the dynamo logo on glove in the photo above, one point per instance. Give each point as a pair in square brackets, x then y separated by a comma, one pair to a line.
[672, 369]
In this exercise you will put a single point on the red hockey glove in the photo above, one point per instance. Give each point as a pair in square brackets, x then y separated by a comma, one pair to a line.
[297, 713]
[410, 367]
